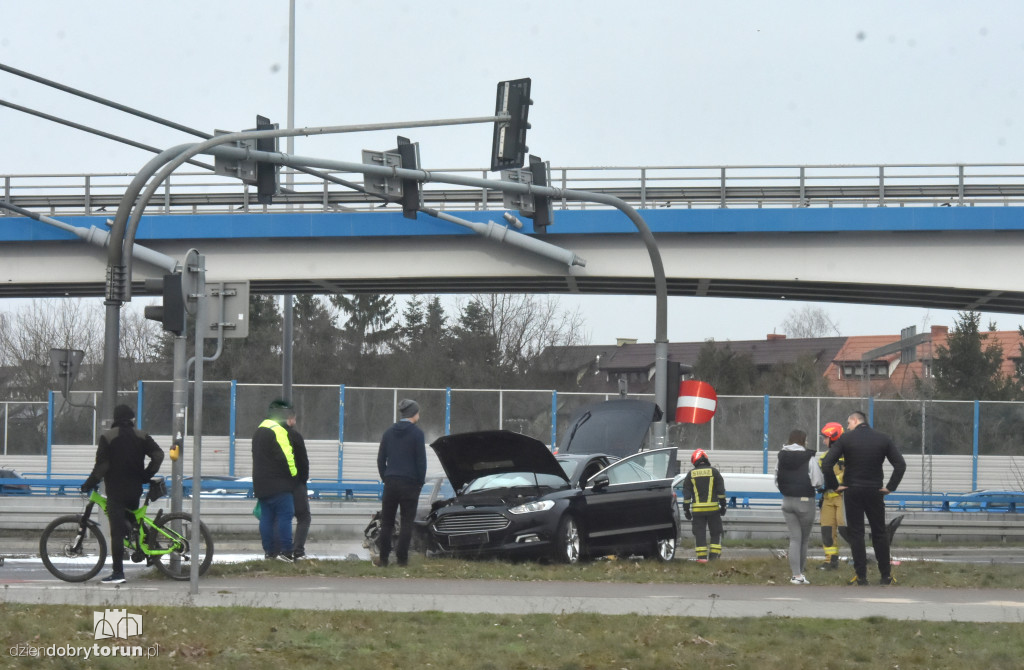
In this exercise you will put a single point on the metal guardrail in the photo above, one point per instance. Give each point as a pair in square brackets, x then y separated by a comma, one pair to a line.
[644, 187]
[991, 503]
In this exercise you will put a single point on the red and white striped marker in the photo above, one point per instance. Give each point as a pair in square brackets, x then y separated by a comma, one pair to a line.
[697, 402]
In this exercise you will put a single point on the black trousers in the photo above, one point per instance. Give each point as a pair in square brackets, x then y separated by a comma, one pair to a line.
[398, 493]
[869, 502]
[701, 523]
[302, 519]
[117, 508]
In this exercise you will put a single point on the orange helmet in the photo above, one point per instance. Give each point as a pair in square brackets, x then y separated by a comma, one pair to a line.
[697, 455]
[832, 430]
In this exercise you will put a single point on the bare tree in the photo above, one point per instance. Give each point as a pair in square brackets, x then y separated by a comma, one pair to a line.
[810, 321]
[26, 337]
[141, 341]
[525, 325]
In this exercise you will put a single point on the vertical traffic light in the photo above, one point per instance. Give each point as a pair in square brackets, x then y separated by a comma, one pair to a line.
[266, 173]
[673, 377]
[410, 154]
[508, 149]
[172, 312]
[542, 211]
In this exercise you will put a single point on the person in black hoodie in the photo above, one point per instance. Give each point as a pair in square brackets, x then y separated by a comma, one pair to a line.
[402, 465]
[865, 450]
[120, 462]
[798, 478]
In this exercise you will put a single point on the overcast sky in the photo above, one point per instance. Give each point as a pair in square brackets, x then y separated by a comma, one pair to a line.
[614, 83]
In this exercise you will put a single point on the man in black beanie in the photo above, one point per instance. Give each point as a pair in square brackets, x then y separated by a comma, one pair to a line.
[402, 464]
[121, 463]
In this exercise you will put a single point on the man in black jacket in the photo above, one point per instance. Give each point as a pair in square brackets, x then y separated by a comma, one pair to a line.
[865, 450]
[120, 462]
[300, 495]
[274, 477]
[402, 465]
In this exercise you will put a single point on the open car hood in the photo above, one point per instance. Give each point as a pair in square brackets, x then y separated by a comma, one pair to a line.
[466, 456]
[616, 427]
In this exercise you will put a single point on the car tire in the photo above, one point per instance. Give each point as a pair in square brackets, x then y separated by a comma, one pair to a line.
[568, 545]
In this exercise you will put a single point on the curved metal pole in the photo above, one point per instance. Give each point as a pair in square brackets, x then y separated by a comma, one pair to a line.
[117, 292]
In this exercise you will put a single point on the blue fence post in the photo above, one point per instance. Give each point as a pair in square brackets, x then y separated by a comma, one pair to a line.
[871, 411]
[448, 410]
[974, 455]
[764, 448]
[232, 425]
[49, 434]
[341, 429]
[139, 404]
[554, 419]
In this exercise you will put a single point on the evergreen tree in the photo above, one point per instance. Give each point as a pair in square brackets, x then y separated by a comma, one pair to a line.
[256, 358]
[969, 367]
[315, 350]
[730, 373]
[799, 378]
[369, 333]
[475, 349]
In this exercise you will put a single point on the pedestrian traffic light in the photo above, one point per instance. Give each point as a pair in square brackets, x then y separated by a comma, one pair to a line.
[266, 173]
[542, 211]
[172, 312]
[508, 149]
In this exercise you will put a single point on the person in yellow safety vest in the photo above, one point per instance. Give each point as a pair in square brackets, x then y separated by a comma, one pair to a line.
[833, 521]
[704, 505]
[274, 477]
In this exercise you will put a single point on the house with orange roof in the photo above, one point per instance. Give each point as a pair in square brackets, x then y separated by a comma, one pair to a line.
[878, 365]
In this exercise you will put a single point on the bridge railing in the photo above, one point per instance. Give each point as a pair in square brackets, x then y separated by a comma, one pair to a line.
[644, 187]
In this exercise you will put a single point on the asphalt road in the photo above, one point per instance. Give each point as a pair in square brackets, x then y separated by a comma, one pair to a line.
[397, 594]
[24, 580]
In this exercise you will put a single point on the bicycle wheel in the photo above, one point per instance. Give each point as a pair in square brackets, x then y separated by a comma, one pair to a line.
[178, 563]
[69, 555]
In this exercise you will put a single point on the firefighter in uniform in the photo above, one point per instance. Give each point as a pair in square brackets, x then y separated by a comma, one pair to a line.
[833, 521]
[704, 505]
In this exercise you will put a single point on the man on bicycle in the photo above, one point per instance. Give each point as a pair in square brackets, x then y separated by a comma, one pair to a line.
[121, 463]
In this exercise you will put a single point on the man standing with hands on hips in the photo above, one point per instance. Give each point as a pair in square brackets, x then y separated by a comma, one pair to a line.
[865, 450]
[402, 465]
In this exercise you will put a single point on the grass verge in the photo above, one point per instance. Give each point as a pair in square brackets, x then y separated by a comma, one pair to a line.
[757, 570]
[268, 638]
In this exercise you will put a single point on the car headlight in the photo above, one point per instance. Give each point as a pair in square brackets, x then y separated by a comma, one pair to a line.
[538, 506]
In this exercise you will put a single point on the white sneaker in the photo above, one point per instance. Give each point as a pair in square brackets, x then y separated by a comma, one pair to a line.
[799, 579]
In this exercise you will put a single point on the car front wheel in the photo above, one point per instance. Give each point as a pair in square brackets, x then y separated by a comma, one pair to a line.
[568, 544]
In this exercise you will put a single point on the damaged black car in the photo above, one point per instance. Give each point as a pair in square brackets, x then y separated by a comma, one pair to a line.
[514, 498]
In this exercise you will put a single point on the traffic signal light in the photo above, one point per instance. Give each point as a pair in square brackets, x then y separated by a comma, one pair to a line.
[410, 153]
[542, 211]
[508, 149]
[266, 173]
[674, 375]
[172, 312]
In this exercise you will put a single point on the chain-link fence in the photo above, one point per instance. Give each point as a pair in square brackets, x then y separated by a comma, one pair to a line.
[967, 436]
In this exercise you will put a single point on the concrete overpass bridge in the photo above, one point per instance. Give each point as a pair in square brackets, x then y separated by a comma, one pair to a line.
[937, 236]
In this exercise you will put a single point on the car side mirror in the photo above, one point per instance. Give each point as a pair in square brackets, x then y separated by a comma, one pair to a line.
[601, 482]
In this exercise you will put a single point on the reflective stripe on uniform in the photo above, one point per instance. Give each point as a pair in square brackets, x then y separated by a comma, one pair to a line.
[281, 433]
[703, 490]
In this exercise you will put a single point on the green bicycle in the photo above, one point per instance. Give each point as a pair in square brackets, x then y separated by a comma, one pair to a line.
[74, 549]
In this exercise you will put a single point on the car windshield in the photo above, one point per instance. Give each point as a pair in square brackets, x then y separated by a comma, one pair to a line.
[504, 480]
